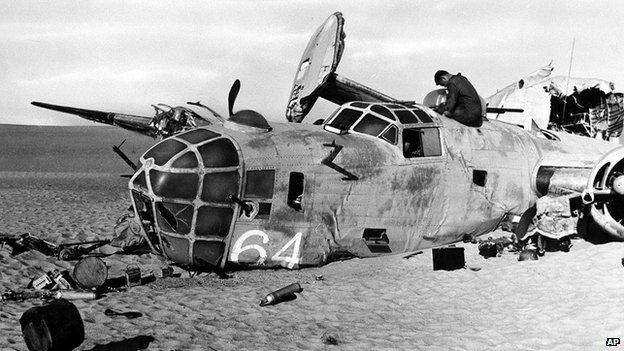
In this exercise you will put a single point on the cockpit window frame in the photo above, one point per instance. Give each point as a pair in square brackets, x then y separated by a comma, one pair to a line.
[423, 118]
[423, 157]
[372, 118]
[396, 134]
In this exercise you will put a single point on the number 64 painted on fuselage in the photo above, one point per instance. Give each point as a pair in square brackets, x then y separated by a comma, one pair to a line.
[286, 261]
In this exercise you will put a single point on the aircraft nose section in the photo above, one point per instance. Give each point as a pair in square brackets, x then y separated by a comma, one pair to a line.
[181, 194]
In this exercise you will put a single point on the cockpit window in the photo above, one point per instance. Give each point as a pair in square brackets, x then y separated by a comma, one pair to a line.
[400, 107]
[259, 184]
[406, 116]
[345, 119]
[412, 143]
[213, 220]
[162, 152]
[383, 111]
[218, 186]
[188, 160]
[360, 104]
[390, 135]
[421, 142]
[198, 135]
[140, 180]
[219, 153]
[422, 115]
[370, 125]
[174, 185]
[173, 217]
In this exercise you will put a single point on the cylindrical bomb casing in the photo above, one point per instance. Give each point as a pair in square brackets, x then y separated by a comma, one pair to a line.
[281, 294]
[75, 295]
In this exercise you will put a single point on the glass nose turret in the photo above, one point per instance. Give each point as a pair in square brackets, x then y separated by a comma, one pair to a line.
[182, 194]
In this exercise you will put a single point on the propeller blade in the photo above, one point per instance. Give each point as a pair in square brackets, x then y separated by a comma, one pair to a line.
[232, 96]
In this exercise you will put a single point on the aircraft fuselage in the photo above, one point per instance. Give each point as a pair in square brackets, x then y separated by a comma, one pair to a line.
[299, 195]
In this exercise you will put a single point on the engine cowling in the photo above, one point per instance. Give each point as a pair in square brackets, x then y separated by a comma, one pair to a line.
[604, 194]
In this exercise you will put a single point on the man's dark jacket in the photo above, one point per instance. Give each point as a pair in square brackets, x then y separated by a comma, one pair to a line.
[463, 102]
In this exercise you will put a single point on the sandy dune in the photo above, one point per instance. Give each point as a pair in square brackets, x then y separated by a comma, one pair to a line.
[564, 301]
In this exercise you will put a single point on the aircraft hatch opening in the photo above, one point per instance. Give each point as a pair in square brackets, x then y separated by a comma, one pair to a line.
[295, 191]
[376, 240]
[258, 193]
[479, 177]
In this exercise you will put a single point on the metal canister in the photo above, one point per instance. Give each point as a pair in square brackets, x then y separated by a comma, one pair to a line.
[283, 294]
[63, 280]
[133, 275]
[90, 272]
[167, 272]
[54, 326]
[43, 282]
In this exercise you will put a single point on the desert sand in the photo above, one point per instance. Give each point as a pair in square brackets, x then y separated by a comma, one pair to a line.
[63, 184]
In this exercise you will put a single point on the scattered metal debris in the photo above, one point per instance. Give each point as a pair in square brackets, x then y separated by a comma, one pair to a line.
[128, 314]
[133, 275]
[25, 242]
[528, 255]
[495, 247]
[76, 251]
[412, 254]
[286, 293]
[448, 258]
[329, 338]
[167, 272]
[66, 252]
[53, 280]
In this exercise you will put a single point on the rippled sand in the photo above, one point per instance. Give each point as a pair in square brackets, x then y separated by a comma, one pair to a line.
[564, 301]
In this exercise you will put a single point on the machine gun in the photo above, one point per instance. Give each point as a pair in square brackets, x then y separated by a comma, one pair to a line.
[26, 242]
[65, 252]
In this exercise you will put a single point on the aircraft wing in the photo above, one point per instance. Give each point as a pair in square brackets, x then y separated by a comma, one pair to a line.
[139, 124]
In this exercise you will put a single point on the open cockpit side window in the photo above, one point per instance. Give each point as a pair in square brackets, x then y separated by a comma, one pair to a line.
[259, 185]
[421, 142]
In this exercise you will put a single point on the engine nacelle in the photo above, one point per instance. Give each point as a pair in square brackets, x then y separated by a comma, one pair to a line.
[607, 207]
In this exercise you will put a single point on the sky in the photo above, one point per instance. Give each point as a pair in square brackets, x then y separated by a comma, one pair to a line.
[122, 56]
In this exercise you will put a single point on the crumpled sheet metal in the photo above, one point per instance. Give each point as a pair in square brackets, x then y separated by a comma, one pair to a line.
[553, 218]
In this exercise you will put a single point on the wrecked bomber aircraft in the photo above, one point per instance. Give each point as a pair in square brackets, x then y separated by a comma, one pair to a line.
[379, 176]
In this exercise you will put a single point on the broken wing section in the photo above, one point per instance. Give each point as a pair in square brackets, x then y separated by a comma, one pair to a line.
[316, 75]
[139, 124]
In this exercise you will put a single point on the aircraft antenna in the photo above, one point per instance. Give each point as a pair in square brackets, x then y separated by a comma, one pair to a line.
[568, 79]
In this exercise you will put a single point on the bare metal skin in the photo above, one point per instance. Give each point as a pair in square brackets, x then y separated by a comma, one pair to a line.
[375, 178]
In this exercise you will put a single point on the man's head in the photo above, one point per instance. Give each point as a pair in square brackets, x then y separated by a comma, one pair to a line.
[441, 77]
[612, 86]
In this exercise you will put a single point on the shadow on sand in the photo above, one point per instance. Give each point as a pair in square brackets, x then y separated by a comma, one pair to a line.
[140, 342]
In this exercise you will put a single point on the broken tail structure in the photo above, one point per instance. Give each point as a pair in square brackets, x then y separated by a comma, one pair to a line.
[316, 75]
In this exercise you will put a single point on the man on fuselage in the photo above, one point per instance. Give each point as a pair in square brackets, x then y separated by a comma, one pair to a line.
[462, 102]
